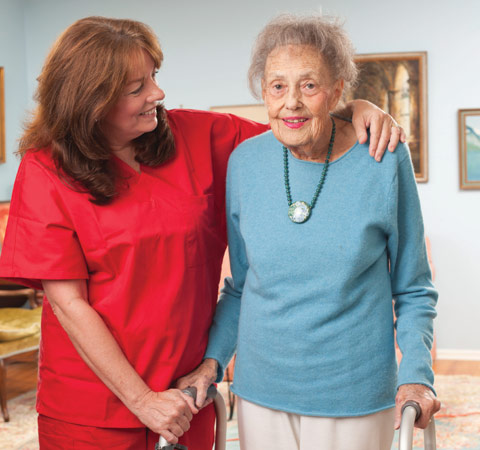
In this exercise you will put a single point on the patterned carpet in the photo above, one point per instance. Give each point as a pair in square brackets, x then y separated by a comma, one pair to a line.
[21, 432]
[458, 422]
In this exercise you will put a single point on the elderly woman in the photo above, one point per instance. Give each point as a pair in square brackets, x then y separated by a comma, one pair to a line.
[118, 214]
[321, 239]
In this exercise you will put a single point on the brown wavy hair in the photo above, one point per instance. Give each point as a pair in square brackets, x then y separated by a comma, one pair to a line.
[82, 78]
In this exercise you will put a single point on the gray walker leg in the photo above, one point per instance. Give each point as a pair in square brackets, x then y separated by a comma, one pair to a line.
[221, 425]
[410, 412]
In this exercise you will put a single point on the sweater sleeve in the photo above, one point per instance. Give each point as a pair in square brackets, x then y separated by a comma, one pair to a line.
[413, 292]
[224, 330]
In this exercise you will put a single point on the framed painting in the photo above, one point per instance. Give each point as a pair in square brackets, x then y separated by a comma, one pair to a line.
[2, 117]
[469, 146]
[397, 83]
[256, 112]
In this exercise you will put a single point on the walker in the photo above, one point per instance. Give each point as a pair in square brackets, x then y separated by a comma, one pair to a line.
[410, 413]
[221, 424]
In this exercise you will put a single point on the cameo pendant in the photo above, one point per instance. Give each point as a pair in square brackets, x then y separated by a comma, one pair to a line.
[299, 212]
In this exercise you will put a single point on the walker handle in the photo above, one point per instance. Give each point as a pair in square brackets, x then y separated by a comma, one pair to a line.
[411, 412]
[221, 413]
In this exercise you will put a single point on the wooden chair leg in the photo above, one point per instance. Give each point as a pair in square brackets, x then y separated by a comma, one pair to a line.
[3, 390]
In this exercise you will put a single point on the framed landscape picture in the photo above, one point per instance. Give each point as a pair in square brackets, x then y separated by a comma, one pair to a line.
[397, 83]
[469, 146]
[2, 117]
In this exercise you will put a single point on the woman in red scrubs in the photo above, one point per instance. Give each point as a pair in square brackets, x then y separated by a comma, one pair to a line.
[118, 214]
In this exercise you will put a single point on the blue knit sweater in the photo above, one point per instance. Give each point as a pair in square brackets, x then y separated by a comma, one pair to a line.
[309, 308]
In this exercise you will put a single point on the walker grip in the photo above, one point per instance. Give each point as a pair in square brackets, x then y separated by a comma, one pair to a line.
[416, 406]
[162, 443]
[411, 412]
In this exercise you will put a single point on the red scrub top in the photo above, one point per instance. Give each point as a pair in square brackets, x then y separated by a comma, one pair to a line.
[151, 259]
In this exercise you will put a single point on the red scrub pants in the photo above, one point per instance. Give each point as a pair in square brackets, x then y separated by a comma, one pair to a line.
[55, 434]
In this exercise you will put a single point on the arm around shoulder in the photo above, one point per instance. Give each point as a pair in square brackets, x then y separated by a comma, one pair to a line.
[384, 130]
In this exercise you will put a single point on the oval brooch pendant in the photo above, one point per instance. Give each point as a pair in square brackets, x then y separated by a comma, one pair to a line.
[299, 212]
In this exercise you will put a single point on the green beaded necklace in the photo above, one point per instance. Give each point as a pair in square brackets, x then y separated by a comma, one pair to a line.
[299, 212]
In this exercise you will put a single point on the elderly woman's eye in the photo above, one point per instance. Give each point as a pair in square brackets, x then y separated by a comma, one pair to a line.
[277, 87]
[310, 86]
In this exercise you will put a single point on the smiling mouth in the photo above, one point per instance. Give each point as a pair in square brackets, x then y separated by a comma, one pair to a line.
[150, 112]
[299, 120]
[295, 123]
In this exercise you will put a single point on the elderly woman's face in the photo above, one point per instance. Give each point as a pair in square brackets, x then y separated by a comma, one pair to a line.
[299, 93]
[135, 111]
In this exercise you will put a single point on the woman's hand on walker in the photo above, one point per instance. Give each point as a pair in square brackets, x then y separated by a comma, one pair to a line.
[421, 394]
[384, 130]
[201, 378]
[168, 413]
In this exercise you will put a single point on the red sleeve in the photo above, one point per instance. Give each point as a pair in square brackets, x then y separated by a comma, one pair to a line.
[210, 138]
[228, 131]
[40, 241]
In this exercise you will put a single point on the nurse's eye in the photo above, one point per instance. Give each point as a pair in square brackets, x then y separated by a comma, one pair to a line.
[136, 91]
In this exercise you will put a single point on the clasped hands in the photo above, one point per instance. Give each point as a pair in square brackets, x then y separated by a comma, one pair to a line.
[170, 412]
[167, 413]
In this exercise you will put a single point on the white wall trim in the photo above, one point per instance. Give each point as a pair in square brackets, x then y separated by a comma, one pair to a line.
[462, 355]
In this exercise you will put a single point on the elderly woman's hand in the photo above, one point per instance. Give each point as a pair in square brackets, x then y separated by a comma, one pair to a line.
[421, 394]
[201, 378]
[384, 130]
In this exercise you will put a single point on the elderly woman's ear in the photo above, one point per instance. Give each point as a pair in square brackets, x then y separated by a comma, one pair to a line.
[263, 89]
[337, 94]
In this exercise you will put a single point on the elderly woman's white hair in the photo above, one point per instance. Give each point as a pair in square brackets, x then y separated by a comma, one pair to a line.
[323, 33]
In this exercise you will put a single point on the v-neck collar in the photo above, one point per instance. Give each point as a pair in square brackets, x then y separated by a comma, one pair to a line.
[126, 167]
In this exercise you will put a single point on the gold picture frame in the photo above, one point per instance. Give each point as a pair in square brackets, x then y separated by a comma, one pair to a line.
[2, 117]
[397, 83]
[469, 148]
